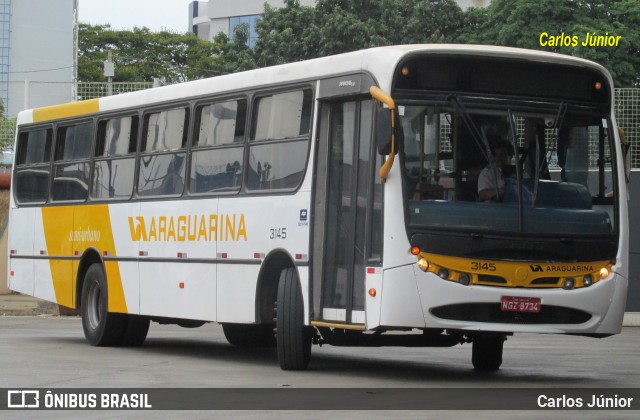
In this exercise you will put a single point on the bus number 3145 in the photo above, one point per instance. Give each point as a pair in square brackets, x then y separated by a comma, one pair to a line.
[278, 233]
[483, 266]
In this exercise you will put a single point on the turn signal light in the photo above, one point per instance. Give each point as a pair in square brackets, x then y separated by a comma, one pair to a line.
[372, 292]
[423, 264]
[415, 250]
[604, 273]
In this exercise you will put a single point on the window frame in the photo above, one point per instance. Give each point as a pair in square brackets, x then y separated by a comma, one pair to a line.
[250, 142]
[130, 155]
[184, 148]
[194, 148]
[46, 163]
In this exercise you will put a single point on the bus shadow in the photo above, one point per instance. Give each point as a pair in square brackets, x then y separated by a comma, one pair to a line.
[454, 368]
[420, 366]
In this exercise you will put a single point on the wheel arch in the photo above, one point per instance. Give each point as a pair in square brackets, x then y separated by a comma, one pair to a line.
[267, 287]
[89, 257]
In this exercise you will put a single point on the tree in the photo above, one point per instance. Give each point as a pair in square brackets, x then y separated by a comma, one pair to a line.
[519, 23]
[286, 34]
[141, 55]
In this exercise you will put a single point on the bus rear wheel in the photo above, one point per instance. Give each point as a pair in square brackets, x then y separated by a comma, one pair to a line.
[136, 330]
[101, 328]
[486, 353]
[292, 336]
[249, 335]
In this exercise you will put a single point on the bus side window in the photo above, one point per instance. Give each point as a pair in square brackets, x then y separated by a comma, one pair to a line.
[114, 166]
[279, 140]
[32, 166]
[163, 159]
[71, 167]
[217, 160]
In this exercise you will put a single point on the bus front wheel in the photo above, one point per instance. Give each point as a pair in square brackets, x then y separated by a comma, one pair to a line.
[249, 335]
[101, 328]
[486, 353]
[292, 336]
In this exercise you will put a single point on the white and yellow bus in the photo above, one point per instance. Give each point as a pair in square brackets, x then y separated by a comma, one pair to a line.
[334, 201]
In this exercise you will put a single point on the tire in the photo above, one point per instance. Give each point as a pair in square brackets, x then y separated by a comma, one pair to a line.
[293, 338]
[101, 328]
[135, 331]
[250, 335]
[486, 354]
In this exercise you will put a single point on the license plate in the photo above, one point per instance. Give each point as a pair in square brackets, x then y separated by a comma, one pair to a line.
[520, 304]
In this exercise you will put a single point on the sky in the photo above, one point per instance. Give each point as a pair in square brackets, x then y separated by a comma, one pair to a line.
[156, 15]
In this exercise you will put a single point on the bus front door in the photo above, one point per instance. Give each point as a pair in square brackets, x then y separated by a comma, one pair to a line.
[343, 206]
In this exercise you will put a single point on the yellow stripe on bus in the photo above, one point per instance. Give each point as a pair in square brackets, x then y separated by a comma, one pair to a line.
[71, 229]
[72, 109]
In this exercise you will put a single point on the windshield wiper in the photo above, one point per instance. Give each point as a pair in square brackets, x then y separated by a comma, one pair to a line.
[478, 135]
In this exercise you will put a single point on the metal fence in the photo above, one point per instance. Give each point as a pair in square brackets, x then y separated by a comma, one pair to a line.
[627, 110]
[91, 90]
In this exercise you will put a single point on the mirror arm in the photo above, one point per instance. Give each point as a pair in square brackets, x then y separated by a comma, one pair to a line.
[381, 96]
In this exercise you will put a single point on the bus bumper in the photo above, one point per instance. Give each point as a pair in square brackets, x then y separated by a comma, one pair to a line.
[412, 298]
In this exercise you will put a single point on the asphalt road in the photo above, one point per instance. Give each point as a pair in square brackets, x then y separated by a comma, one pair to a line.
[50, 352]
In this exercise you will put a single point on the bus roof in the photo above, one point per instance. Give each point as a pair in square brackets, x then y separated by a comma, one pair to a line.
[379, 61]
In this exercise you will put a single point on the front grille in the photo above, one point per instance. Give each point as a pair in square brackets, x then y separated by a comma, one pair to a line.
[548, 281]
[490, 312]
[485, 278]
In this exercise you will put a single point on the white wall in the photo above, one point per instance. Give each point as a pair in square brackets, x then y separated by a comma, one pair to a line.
[41, 39]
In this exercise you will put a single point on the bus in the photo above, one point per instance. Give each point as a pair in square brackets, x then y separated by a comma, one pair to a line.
[334, 201]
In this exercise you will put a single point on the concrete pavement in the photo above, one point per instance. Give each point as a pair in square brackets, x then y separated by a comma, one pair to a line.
[15, 304]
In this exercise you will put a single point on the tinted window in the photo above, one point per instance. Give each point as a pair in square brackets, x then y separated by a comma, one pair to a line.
[166, 130]
[31, 185]
[161, 174]
[221, 123]
[283, 115]
[70, 182]
[113, 178]
[117, 136]
[34, 147]
[74, 141]
[277, 165]
[216, 170]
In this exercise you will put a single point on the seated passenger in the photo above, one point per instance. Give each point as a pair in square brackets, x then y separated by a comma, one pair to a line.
[491, 178]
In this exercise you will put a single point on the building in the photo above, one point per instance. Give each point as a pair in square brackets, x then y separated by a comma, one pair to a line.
[37, 53]
[208, 18]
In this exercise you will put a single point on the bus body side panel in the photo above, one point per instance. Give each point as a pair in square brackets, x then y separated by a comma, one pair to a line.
[177, 247]
[63, 235]
[236, 292]
[123, 222]
[373, 304]
[43, 282]
[178, 290]
[57, 244]
[269, 223]
[21, 244]
[400, 299]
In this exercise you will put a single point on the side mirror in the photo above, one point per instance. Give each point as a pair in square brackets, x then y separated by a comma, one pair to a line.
[383, 130]
[387, 134]
[626, 155]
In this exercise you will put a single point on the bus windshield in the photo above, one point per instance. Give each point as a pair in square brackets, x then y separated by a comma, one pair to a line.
[541, 171]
